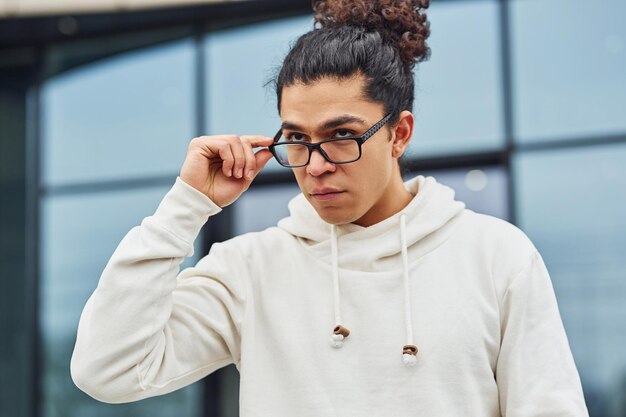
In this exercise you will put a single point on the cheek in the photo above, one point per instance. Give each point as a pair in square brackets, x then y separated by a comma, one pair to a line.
[373, 171]
[377, 160]
[299, 174]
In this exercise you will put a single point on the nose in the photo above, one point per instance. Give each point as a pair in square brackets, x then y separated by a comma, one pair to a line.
[319, 165]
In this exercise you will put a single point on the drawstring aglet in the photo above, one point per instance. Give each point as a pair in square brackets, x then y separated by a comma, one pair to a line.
[339, 333]
[409, 353]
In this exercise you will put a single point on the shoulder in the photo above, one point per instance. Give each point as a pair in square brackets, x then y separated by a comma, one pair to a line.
[497, 228]
[495, 232]
[504, 246]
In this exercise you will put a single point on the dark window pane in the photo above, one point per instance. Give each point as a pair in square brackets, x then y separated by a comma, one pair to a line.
[262, 207]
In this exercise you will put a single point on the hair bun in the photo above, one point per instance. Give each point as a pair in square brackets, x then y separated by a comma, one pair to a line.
[403, 22]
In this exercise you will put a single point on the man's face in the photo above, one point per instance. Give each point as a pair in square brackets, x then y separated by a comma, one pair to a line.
[362, 183]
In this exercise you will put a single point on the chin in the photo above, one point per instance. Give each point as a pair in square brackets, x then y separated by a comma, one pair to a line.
[335, 215]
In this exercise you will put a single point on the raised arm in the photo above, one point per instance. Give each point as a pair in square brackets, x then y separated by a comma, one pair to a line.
[148, 328]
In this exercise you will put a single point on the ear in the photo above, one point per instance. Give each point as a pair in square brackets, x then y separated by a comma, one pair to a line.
[402, 133]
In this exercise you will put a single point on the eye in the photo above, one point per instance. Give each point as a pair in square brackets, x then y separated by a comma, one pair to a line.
[343, 132]
[295, 137]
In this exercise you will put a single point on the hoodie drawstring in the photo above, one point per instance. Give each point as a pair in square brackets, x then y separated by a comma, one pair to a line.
[409, 350]
[339, 332]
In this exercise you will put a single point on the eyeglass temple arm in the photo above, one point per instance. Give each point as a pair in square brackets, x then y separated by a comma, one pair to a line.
[372, 130]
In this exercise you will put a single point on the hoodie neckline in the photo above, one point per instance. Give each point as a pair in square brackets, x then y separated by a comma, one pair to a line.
[351, 246]
[377, 248]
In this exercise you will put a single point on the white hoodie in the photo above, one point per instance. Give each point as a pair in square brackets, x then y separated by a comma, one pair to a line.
[469, 290]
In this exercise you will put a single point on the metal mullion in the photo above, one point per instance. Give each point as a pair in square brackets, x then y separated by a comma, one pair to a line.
[106, 185]
[551, 145]
[213, 231]
[507, 105]
[33, 210]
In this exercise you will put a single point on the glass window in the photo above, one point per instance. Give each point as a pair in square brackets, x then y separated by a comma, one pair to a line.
[483, 190]
[569, 68]
[576, 219]
[127, 116]
[239, 62]
[458, 99]
[262, 207]
[75, 247]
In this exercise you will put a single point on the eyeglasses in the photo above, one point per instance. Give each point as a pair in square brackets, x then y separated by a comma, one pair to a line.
[342, 150]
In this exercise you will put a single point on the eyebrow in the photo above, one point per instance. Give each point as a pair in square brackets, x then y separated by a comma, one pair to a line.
[329, 124]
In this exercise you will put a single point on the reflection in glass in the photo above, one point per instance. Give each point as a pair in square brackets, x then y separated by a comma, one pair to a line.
[78, 236]
[575, 216]
[569, 68]
[127, 116]
[483, 190]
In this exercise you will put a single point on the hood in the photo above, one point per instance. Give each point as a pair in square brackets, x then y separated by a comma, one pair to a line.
[432, 207]
[372, 248]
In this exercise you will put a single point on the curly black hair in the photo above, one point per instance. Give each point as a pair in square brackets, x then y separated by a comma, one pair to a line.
[380, 39]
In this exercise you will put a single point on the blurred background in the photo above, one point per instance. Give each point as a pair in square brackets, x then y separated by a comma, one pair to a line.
[520, 109]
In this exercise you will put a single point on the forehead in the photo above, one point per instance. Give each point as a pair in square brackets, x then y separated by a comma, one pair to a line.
[313, 103]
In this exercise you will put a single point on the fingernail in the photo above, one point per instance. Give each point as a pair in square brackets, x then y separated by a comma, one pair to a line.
[230, 173]
[250, 174]
[239, 173]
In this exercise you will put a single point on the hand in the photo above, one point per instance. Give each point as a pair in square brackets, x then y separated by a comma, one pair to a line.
[222, 167]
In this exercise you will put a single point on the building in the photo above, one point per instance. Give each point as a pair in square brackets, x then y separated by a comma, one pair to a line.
[520, 109]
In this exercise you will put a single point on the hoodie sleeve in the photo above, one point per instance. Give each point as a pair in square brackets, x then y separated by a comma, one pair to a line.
[536, 373]
[147, 329]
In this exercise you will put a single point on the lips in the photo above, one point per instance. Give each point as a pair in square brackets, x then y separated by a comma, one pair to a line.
[325, 190]
[324, 194]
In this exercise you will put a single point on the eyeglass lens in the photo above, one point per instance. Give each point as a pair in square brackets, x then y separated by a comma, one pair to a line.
[338, 151]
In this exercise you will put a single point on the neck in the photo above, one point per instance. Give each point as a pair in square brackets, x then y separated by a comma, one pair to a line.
[394, 199]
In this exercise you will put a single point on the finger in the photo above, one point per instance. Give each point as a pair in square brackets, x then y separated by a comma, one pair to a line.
[238, 153]
[250, 167]
[257, 140]
[262, 157]
[227, 157]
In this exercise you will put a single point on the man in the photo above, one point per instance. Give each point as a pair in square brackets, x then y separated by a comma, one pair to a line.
[374, 297]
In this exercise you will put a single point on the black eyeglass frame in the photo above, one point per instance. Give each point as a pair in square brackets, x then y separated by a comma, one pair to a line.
[360, 140]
